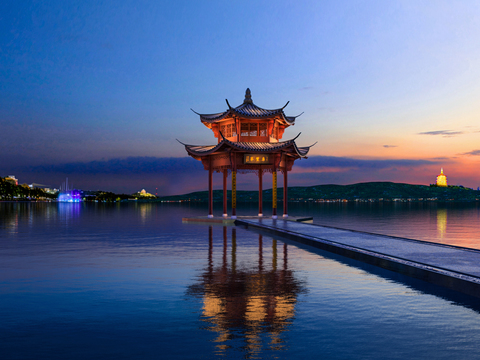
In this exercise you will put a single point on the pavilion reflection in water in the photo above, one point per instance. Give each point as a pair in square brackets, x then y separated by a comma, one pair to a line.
[253, 303]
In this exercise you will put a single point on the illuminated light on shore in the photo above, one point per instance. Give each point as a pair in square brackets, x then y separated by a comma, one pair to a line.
[70, 196]
[442, 179]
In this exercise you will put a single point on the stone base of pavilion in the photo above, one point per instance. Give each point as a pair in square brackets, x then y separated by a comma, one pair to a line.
[229, 221]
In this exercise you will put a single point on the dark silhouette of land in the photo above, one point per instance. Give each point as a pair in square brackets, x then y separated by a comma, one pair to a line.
[370, 191]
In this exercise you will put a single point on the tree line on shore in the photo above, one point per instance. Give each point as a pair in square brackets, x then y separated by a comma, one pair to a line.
[371, 191]
[10, 191]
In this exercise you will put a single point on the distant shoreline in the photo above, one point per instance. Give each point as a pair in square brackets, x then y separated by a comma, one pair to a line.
[361, 192]
[370, 192]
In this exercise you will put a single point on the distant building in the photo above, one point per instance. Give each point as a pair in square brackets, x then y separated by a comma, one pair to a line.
[442, 179]
[143, 193]
[37, 186]
[51, 191]
[12, 179]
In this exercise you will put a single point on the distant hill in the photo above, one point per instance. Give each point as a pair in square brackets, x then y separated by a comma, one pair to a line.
[370, 191]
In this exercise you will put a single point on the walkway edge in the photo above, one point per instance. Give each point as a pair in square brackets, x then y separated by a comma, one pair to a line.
[463, 283]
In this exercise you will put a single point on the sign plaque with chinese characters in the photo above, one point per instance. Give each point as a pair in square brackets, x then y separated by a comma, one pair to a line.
[256, 159]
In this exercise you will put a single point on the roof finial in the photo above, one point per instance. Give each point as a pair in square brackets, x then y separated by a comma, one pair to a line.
[248, 97]
[441, 171]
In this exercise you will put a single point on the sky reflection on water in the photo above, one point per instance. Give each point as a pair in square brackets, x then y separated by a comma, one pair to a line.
[447, 223]
[131, 281]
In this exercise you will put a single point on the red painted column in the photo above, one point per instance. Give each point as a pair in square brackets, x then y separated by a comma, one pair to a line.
[260, 192]
[234, 194]
[285, 193]
[210, 190]
[274, 194]
[233, 163]
[276, 162]
[225, 174]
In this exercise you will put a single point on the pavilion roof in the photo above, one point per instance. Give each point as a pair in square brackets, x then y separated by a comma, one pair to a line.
[225, 145]
[246, 110]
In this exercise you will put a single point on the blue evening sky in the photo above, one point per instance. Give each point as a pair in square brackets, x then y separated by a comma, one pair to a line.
[85, 81]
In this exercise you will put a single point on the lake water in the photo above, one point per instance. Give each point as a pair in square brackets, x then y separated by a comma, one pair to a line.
[130, 281]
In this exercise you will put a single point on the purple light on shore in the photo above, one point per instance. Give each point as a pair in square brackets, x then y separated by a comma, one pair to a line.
[70, 196]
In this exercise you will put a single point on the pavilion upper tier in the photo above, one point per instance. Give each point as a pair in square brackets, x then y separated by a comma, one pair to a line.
[248, 122]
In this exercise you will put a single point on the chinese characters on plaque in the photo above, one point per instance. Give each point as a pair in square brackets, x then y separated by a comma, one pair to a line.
[256, 159]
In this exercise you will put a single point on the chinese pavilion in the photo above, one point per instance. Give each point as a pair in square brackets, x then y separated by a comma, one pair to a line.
[248, 141]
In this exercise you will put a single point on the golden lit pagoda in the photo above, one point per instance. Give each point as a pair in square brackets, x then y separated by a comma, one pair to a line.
[442, 179]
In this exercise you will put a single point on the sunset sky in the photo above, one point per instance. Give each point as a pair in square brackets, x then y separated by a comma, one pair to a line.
[99, 90]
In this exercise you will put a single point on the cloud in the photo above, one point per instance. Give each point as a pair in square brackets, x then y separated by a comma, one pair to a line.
[306, 88]
[344, 170]
[344, 162]
[187, 165]
[473, 153]
[390, 146]
[130, 165]
[444, 133]
[168, 176]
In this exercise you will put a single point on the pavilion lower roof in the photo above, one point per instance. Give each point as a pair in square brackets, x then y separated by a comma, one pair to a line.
[225, 145]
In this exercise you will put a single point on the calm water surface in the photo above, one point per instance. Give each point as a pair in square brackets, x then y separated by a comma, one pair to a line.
[130, 281]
